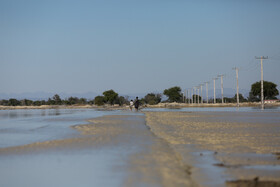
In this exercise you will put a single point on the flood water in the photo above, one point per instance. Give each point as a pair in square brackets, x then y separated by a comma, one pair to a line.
[100, 166]
[62, 168]
[218, 109]
[19, 127]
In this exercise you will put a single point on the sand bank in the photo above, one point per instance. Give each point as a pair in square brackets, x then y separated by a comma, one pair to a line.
[245, 145]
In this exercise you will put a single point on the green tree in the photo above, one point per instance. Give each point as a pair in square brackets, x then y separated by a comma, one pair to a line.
[82, 101]
[269, 90]
[57, 100]
[72, 100]
[173, 94]
[26, 102]
[195, 98]
[50, 102]
[121, 100]
[99, 100]
[253, 98]
[110, 96]
[91, 102]
[37, 103]
[13, 102]
[241, 98]
[229, 100]
[4, 102]
[152, 98]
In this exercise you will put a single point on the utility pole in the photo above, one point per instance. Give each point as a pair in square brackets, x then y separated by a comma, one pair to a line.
[195, 94]
[192, 95]
[206, 92]
[262, 97]
[201, 93]
[222, 88]
[214, 90]
[197, 89]
[188, 96]
[185, 95]
[237, 88]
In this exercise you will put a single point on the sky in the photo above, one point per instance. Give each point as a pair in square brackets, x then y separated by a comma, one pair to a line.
[135, 46]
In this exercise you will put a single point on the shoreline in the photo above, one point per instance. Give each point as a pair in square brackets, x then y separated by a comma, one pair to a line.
[160, 105]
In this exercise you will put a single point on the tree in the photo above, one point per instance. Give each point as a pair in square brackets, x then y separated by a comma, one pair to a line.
[38, 103]
[110, 96]
[57, 100]
[13, 102]
[91, 102]
[195, 98]
[241, 98]
[253, 98]
[99, 100]
[4, 102]
[50, 102]
[152, 98]
[82, 101]
[121, 100]
[269, 90]
[26, 102]
[72, 100]
[173, 94]
[229, 100]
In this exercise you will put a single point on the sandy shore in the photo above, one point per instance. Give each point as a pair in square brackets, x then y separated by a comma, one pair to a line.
[245, 145]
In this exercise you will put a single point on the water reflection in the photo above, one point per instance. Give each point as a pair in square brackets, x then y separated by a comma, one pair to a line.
[26, 113]
[43, 113]
[28, 126]
[12, 114]
[54, 112]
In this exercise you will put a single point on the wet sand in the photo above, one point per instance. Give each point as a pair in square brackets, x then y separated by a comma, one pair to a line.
[236, 149]
[141, 158]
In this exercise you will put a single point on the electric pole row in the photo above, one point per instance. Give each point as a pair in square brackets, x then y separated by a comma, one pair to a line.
[194, 92]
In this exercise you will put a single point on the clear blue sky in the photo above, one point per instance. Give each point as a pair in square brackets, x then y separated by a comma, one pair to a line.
[135, 46]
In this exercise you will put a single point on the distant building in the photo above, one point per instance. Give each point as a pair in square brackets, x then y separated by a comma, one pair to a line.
[271, 101]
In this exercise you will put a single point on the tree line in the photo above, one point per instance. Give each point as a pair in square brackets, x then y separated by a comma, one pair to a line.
[55, 100]
[174, 94]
